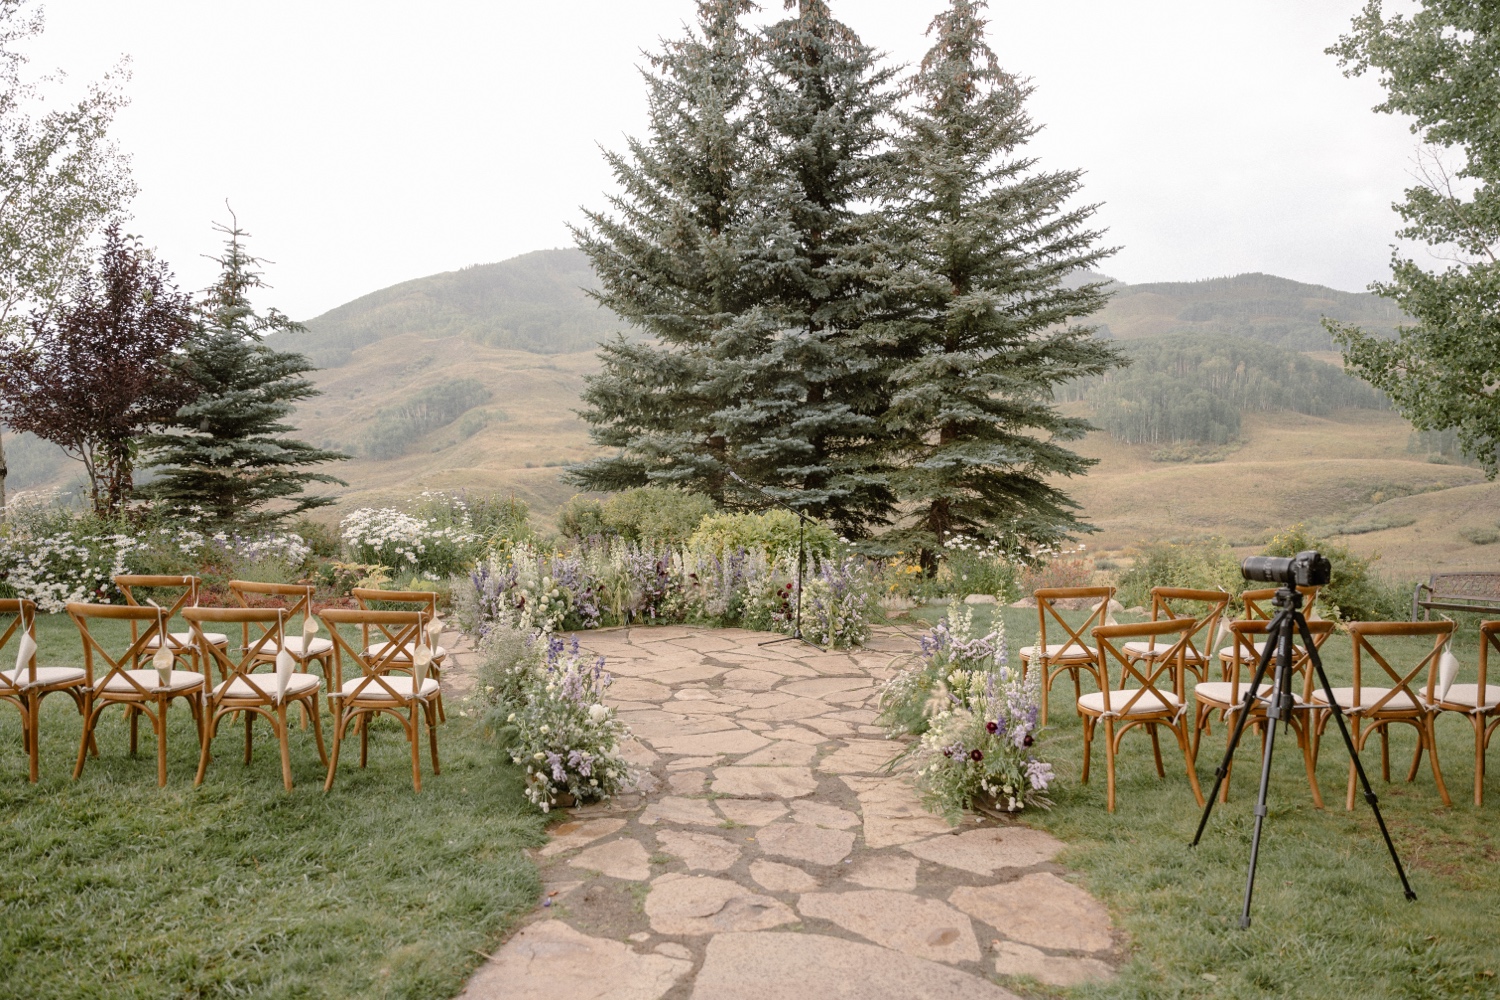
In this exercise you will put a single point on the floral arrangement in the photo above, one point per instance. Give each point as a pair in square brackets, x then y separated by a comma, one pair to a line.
[950, 650]
[978, 750]
[55, 567]
[547, 700]
[836, 603]
[407, 544]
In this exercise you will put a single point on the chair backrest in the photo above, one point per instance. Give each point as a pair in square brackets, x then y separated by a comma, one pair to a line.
[188, 597]
[1489, 635]
[23, 621]
[1205, 617]
[154, 621]
[424, 601]
[1245, 634]
[404, 629]
[1258, 602]
[271, 635]
[1045, 609]
[297, 595]
[1146, 673]
[1367, 635]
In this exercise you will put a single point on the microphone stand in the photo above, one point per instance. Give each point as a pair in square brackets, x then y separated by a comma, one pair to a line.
[802, 520]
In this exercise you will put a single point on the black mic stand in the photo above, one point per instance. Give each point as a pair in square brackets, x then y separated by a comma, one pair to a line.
[802, 520]
[1287, 623]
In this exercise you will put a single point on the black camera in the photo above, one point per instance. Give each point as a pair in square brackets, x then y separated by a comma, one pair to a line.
[1305, 569]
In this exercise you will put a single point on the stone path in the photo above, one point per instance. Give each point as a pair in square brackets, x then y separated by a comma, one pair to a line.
[766, 854]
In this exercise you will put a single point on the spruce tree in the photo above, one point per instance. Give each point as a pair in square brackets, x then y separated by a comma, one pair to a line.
[984, 322]
[676, 258]
[224, 455]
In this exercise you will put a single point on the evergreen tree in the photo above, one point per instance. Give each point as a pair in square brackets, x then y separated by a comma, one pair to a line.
[977, 306]
[224, 454]
[677, 260]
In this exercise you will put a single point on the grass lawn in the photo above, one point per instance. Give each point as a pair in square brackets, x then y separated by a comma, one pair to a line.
[1329, 917]
[112, 887]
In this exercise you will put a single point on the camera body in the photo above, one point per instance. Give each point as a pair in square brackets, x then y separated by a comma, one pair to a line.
[1305, 569]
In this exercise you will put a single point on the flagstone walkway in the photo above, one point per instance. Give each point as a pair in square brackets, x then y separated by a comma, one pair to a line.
[766, 854]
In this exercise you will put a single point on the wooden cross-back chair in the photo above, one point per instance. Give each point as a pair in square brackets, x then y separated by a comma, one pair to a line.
[1147, 704]
[1257, 608]
[185, 589]
[1226, 698]
[424, 601]
[139, 691]
[244, 690]
[1200, 638]
[305, 647]
[382, 683]
[1479, 702]
[1381, 707]
[26, 684]
[1073, 654]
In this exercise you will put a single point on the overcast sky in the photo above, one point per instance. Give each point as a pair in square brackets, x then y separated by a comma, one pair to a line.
[365, 142]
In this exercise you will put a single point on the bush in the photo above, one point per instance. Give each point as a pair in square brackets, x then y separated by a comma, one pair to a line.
[1355, 592]
[1202, 565]
[650, 515]
[773, 533]
[581, 517]
[407, 544]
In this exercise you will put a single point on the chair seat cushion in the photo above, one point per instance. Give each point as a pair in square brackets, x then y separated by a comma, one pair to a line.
[186, 639]
[1466, 695]
[238, 687]
[1055, 651]
[1146, 704]
[1228, 652]
[400, 683]
[1224, 693]
[294, 646]
[182, 680]
[1148, 649]
[1368, 696]
[48, 676]
[378, 649]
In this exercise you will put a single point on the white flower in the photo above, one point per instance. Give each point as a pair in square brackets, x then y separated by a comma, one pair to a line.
[598, 712]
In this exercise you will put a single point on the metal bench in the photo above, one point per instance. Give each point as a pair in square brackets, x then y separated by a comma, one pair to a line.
[1470, 592]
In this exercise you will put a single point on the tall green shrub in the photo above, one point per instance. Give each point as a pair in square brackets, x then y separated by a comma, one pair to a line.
[1356, 592]
[774, 533]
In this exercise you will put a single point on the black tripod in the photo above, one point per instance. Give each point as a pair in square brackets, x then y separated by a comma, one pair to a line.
[802, 520]
[1283, 628]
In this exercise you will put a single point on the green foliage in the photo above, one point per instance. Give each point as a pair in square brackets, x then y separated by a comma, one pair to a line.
[652, 515]
[773, 533]
[1355, 592]
[321, 537]
[1440, 66]
[396, 428]
[1200, 565]
[581, 517]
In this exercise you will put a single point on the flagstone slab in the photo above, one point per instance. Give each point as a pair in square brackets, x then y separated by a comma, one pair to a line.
[858, 716]
[693, 694]
[986, 851]
[656, 724]
[549, 960]
[637, 753]
[777, 877]
[830, 727]
[764, 782]
[802, 842]
[1054, 970]
[1039, 909]
[699, 850]
[623, 859]
[823, 687]
[575, 834]
[882, 871]
[783, 753]
[686, 782]
[926, 928]
[733, 741]
[860, 757]
[707, 643]
[636, 689]
[797, 733]
[818, 813]
[892, 812]
[751, 679]
[687, 905]
[687, 763]
[687, 674]
[751, 812]
[676, 809]
[778, 966]
[700, 708]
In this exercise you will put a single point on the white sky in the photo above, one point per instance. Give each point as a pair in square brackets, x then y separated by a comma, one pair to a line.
[365, 142]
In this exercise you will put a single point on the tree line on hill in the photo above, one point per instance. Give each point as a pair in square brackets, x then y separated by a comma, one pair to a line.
[1194, 387]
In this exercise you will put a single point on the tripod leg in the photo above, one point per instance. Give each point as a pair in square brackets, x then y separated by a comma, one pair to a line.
[1260, 816]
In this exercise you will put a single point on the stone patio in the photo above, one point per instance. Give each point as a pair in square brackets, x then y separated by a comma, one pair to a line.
[767, 854]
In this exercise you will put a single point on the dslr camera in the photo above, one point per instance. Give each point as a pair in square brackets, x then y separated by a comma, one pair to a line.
[1305, 569]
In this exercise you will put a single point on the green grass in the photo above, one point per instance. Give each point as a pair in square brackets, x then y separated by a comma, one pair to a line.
[1329, 917]
[112, 887]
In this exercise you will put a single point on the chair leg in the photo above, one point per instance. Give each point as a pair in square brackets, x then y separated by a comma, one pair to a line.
[1428, 732]
[203, 746]
[286, 752]
[432, 735]
[1359, 744]
[317, 724]
[1198, 728]
[364, 739]
[135, 718]
[1109, 763]
[1088, 745]
[31, 730]
[1187, 758]
[1161, 772]
[1478, 759]
[249, 720]
[416, 745]
[1416, 757]
[1046, 686]
[91, 715]
[1385, 753]
[160, 725]
[1229, 765]
[333, 760]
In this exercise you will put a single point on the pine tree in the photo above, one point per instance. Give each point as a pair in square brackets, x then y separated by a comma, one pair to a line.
[677, 260]
[224, 454]
[978, 306]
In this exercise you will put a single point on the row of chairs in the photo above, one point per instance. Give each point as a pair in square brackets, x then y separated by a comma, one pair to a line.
[1141, 672]
[395, 669]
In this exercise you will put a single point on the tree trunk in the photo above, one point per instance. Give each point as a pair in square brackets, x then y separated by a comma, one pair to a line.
[3, 471]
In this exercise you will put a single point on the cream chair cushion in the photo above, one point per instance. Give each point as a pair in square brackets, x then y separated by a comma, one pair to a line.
[400, 683]
[377, 650]
[294, 646]
[1223, 693]
[1466, 695]
[48, 676]
[186, 639]
[1055, 651]
[1145, 648]
[182, 680]
[1146, 704]
[1368, 696]
[299, 684]
[1228, 652]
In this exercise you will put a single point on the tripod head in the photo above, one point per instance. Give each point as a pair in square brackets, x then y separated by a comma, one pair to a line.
[1288, 598]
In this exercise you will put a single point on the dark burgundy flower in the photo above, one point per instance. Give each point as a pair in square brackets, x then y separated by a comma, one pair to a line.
[947, 753]
[991, 728]
[976, 755]
[1028, 740]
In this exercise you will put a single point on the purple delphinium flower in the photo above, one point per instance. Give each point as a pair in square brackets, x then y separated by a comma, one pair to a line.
[555, 761]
